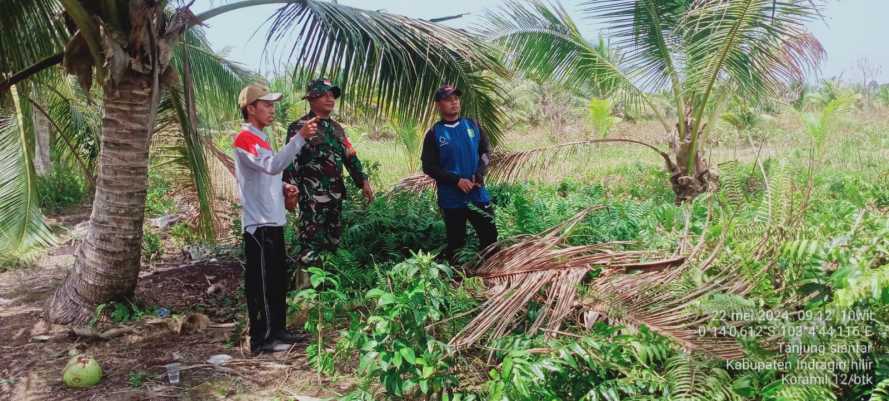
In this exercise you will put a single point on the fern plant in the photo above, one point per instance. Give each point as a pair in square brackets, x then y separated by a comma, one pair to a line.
[881, 391]
[609, 363]
[695, 379]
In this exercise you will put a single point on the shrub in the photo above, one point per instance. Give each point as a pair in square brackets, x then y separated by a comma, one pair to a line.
[151, 245]
[59, 189]
[398, 347]
[182, 234]
[391, 227]
[158, 201]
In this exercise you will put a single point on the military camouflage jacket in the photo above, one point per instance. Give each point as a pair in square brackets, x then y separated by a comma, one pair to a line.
[318, 171]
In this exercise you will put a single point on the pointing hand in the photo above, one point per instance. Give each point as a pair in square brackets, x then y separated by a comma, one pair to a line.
[309, 129]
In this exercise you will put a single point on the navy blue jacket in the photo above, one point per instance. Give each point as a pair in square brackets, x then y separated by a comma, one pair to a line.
[453, 150]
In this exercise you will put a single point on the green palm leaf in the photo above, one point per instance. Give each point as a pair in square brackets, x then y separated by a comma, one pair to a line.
[75, 119]
[216, 80]
[205, 100]
[645, 30]
[543, 40]
[600, 116]
[395, 61]
[190, 159]
[68, 149]
[880, 391]
[32, 31]
[757, 45]
[22, 227]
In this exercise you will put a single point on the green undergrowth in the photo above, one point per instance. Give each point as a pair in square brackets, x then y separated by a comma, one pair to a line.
[384, 307]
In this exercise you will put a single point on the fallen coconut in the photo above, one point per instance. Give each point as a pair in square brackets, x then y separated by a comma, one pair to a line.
[82, 371]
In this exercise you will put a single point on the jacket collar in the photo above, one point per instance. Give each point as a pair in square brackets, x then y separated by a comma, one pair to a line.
[256, 131]
[312, 114]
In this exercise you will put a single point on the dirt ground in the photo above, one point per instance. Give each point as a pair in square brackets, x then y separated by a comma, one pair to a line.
[33, 353]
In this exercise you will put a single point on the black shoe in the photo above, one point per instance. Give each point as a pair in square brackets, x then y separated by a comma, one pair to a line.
[271, 347]
[289, 337]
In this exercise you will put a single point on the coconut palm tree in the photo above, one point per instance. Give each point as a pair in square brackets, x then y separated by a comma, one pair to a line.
[128, 48]
[695, 50]
[76, 123]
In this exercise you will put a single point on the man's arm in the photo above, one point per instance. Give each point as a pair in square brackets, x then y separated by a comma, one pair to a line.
[484, 156]
[352, 163]
[270, 164]
[289, 175]
[430, 160]
[245, 151]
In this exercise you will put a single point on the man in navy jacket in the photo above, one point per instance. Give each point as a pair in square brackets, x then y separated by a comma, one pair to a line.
[456, 153]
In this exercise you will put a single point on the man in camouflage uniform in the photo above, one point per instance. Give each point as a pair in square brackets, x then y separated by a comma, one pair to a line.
[318, 174]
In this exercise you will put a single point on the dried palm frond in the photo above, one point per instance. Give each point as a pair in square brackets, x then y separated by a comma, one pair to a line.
[415, 183]
[511, 167]
[641, 299]
[519, 271]
[223, 158]
[514, 166]
[631, 289]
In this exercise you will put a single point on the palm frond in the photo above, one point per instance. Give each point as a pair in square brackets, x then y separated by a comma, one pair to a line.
[819, 125]
[70, 150]
[216, 80]
[519, 271]
[410, 137]
[414, 183]
[514, 166]
[600, 116]
[77, 121]
[733, 185]
[758, 45]
[646, 33]
[74, 118]
[543, 40]
[805, 392]
[22, 226]
[191, 158]
[204, 100]
[645, 299]
[33, 31]
[635, 288]
[395, 61]
[511, 167]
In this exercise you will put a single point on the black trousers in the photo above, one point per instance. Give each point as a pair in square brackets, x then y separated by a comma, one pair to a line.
[265, 282]
[455, 227]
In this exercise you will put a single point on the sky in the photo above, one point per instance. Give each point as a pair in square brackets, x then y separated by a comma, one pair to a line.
[851, 30]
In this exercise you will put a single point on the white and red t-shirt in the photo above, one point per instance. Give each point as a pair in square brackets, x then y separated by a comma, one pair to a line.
[258, 171]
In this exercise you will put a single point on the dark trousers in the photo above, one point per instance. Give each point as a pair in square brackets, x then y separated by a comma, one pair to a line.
[265, 282]
[455, 227]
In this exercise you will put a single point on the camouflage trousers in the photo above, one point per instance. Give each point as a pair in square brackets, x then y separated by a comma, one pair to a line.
[318, 231]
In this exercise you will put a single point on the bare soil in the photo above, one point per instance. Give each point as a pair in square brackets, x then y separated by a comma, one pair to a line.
[33, 353]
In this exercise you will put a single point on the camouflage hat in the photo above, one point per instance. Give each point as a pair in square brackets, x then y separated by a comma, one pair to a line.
[319, 87]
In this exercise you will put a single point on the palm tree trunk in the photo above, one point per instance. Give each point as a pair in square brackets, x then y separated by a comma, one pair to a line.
[42, 161]
[107, 261]
[689, 183]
